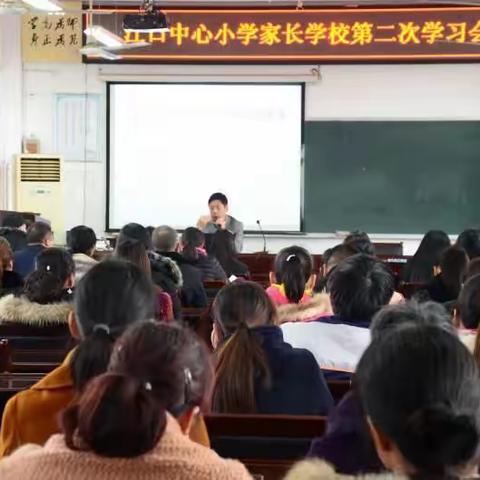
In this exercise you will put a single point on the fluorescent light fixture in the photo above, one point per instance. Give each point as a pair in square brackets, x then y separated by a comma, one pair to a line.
[104, 36]
[46, 5]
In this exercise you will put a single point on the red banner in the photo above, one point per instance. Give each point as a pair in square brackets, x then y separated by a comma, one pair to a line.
[306, 36]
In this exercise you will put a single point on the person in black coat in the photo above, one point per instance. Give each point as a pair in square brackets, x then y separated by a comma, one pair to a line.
[256, 371]
[165, 243]
[193, 250]
[14, 229]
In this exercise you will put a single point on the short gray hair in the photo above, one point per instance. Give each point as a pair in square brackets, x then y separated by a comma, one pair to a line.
[164, 239]
[410, 314]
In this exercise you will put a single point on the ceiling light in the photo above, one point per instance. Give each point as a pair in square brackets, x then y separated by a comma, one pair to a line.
[47, 5]
[104, 36]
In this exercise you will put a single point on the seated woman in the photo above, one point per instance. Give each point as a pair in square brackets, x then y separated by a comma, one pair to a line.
[222, 247]
[133, 421]
[421, 399]
[112, 295]
[47, 296]
[256, 371]
[446, 286]
[422, 267]
[81, 242]
[135, 252]
[193, 250]
[10, 281]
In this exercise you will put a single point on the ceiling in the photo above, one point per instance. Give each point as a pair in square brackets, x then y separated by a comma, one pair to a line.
[306, 3]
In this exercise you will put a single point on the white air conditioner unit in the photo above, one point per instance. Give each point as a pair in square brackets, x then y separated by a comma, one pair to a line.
[39, 189]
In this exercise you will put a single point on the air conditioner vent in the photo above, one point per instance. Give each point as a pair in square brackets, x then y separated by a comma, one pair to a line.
[39, 169]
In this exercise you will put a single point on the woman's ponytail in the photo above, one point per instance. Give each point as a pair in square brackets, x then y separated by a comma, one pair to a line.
[117, 416]
[241, 362]
[91, 357]
[293, 268]
[293, 279]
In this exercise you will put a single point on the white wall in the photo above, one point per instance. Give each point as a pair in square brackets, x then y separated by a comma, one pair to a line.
[361, 92]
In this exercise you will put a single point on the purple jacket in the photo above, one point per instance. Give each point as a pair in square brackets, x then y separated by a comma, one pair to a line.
[347, 444]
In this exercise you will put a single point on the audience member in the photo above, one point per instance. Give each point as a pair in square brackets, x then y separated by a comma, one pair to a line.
[219, 220]
[193, 250]
[165, 272]
[445, 287]
[47, 293]
[422, 267]
[360, 242]
[223, 249]
[136, 253]
[165, 244]
[346, 443]
[467, 314]
[421, 403]
[293, 278]
[39, 237]
[469, 240]
[111, 296]
[14, 229]
[82, 241]
[256, 371]
[424, 409]
[331, 258]
[359, 287]
[10, 281]
[133, 421]
[473, 268]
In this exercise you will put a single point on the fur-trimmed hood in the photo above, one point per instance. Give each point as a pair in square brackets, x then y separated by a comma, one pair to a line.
[21, 310]
[303, 312]
[316, 469]
[166, 266]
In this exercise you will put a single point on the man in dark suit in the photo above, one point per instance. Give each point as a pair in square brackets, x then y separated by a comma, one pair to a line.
[39, 237]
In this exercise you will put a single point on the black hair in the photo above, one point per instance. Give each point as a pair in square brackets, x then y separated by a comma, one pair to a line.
[46, 283]
[468, 303]
[420, 388]
[337, 254]
[223, 248]
[81, 239]
[453, 264]
[473, 268]
[154, 368]
[13, 220]
[192, 239]
[469, 240]
[38, 232]
[359, 286]
[360, 242]
[293, 267]
[219, 197]
[410, 314]
[111, 296]
[419, 269]
[134, 233]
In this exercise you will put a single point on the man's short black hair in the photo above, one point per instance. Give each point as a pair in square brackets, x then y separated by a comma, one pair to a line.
[469, 303]
[360, 242]
[220, 197]
[38, 232]
[13, 220]
[359, 286]
[82, 239]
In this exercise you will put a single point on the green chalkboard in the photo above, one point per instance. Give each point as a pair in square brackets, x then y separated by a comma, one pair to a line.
[392, 177]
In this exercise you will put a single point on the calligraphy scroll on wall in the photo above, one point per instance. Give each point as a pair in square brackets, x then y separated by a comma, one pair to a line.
[53, 37]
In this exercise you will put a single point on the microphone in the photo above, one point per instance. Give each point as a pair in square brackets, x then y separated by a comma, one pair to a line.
[263, 235]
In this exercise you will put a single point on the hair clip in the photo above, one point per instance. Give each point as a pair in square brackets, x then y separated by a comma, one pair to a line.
[148, 386]
[102, 326]
[48, 268]
[290, 257]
